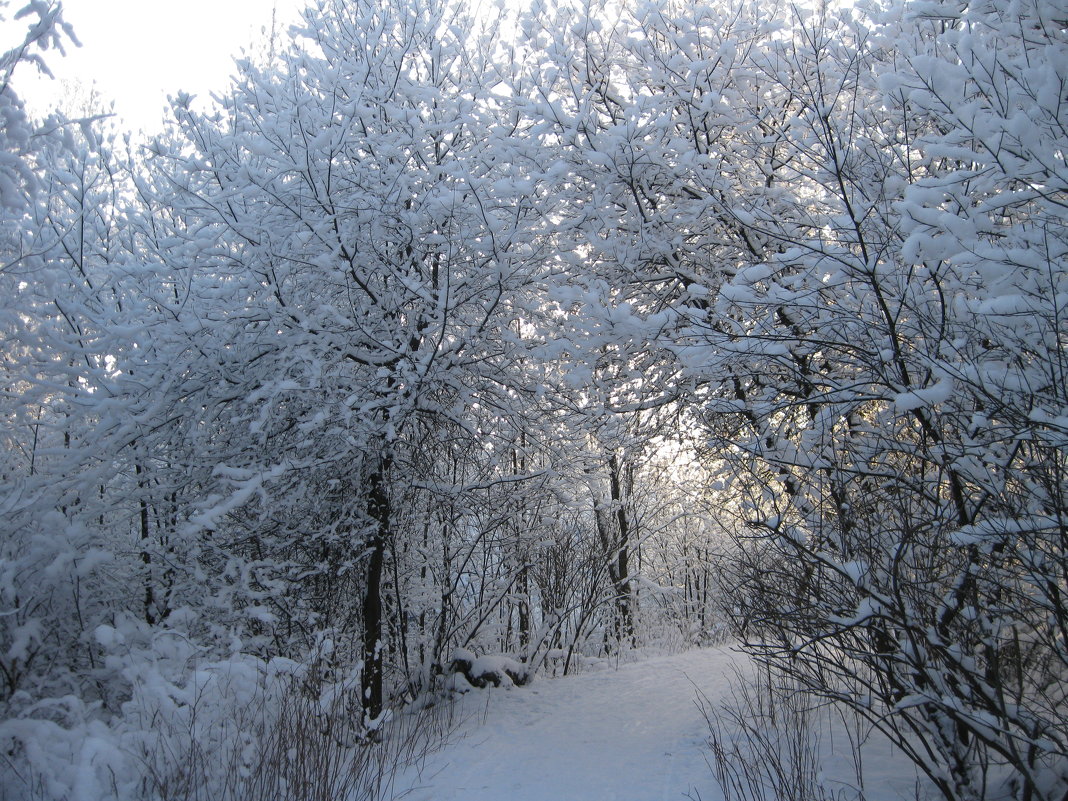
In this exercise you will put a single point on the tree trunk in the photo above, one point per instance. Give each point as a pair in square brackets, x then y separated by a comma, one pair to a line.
[371, 677]
[621, 575]
[613, 528]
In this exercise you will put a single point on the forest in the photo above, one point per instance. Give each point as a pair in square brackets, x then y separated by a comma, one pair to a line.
[453, 336]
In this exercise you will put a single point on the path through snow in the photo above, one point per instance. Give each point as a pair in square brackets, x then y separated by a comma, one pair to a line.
[632, 734]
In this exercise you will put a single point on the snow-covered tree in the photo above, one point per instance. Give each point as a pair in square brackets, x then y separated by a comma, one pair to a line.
[59, 319]
[894, 364]
[367, 269]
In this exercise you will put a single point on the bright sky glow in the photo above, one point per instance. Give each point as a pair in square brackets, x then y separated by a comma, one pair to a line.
[139, 51]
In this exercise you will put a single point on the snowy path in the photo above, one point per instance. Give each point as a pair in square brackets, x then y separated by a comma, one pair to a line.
[632, 734]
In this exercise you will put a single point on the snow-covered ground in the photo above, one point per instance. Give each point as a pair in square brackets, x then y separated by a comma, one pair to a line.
[634, 733]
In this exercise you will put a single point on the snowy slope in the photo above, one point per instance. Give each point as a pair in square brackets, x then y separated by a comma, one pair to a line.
[632, 734]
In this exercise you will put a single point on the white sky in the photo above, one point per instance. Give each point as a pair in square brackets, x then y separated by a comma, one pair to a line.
[140, 51]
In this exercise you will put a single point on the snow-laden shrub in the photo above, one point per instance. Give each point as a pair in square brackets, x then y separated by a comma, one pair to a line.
[185, 720]
[192, 722]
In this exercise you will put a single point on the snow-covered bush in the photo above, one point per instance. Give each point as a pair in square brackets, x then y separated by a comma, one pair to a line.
[173, 716]
[229, 728]
[894, 394]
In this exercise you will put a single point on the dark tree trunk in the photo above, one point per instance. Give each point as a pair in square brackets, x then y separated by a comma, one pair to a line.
[146, 556]
[613, 527]
[523, 588]
[373, 629]
[519, 467]
[621, 574]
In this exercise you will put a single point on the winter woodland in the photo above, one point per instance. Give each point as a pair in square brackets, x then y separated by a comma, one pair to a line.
[454, 345]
